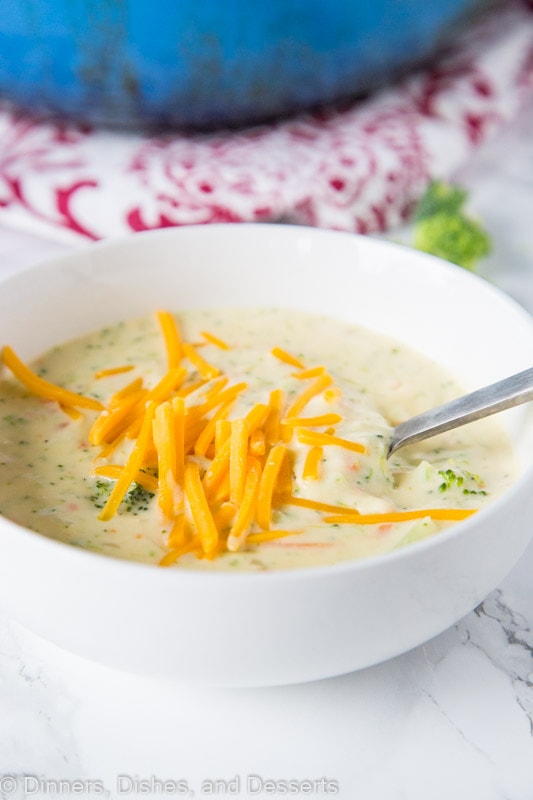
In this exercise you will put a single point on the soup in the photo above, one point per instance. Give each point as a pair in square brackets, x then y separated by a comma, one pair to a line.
[237, 440]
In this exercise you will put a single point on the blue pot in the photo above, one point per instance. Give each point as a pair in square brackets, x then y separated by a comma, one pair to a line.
[208, 63]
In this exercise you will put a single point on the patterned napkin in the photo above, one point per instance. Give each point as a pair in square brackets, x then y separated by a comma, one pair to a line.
[360, 168]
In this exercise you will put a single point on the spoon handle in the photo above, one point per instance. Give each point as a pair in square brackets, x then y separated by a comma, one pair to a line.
[481, 403]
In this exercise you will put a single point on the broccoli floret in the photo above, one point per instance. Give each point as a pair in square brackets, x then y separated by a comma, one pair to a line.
[451, 478]
[136, 499]
[102, 490]
[444, 229]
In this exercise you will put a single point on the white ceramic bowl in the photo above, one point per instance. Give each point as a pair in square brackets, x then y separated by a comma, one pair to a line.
[288, 626]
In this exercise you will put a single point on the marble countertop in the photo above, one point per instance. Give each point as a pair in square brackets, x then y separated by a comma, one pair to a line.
[450, 719]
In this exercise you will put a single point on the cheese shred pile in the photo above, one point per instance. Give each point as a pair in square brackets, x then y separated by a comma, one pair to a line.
[219, 478]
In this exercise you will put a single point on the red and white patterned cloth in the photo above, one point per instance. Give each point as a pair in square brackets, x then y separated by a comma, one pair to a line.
[360, 169]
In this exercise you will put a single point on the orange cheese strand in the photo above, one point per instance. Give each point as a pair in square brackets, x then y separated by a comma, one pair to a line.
[237, 461]
[71, 412]
[316, 505]
[313, 372]
[205, 369]
[105, 373]
[170, 558]
[257, 443]
[256, 416]
[130, 388]
[312, 464]
[170, 381]
[178, 409]
[267, 484]
[196, 412]
[321, 383]
[221, 492]
[109, 448]
[212, 339]
[132, 466]
[285, 477]
[222, 433]
[113, 422]
[171, 335]
[402, 516]
[192, 431]
[158, 394]
[269, 536]
[215, 388]
[315, 438]
[231, 393]
[185, 391]
[164, 440]
[208, 433]
[218, 467]
[177, 536]
[313, 422]
[114, 471]
[224, 516]
[237, 534]
[272, 422]
[42, 388]
[282, 355]
[199, 508]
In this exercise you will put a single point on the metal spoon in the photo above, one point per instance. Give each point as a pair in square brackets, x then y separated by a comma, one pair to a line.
[481, 403]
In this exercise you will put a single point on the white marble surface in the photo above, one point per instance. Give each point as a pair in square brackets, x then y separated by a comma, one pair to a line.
[451, 719]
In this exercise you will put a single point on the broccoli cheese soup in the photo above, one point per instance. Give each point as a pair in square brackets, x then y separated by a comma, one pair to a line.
[236, 440]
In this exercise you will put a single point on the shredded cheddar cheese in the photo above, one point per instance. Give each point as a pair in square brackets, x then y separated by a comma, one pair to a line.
[246, 511]
[194, 546]
[267, 484]
[313, 422]
[212, 339]
[42, 388]
[222, 433]
[313, 372]
[71, 412]
[132, 466]
[163, 432]
[315, 438]
[312, 463]
[237, 460]
[272, 423]
[321, 383]
[106, 373]
[219, 467]
[201, 513]
[401, 516]
[205, 369]
[305, 502]
[172, 338]
[287, 358]
[258, 443]
[178, 533]
[270, 536]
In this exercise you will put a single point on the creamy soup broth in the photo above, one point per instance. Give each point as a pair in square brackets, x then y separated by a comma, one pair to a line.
[46, 463]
